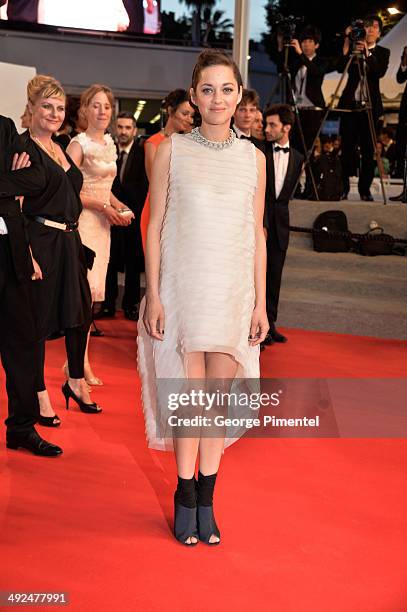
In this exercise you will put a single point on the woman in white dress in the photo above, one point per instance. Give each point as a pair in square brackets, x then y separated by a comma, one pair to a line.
[94, 152]
[205, 268]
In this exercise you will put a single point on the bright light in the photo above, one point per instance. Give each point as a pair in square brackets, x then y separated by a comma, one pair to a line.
[156, 118]
[392, 10]
[139, 109]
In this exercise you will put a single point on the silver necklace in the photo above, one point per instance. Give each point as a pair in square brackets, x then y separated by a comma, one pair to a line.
[213, 144]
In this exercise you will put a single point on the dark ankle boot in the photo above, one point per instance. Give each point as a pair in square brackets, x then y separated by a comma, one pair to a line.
[185, 517]
[207, 526]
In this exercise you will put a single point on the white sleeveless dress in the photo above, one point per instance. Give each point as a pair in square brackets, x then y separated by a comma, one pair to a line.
[99, 170]
[207, 267]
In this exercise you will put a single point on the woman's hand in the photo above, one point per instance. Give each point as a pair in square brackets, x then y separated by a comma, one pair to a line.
[259, 326]
[153, 318]
[37, 270]
[116, 218]
[20, 161]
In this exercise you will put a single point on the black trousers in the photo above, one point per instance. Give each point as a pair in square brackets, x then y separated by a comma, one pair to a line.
[18, 345]
[124, 255]
[275, 265]
[75, 343]
[310, 123]
[401, 152]
[355, 132]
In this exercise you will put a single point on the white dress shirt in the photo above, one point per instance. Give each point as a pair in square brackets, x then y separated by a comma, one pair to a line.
[3, 227]
[358, 93]
[280, 167]
[301, 85]
[239, 133]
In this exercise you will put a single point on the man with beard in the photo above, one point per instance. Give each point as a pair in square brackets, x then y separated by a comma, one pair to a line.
[284, 166]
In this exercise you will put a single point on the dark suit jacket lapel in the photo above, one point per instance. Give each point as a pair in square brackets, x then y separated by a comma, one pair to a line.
[288, 187]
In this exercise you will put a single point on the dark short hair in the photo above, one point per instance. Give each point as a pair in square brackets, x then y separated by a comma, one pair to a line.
[174, 99]
[312, 33]
[388, 131]
[127, 115]
[370, 18]
[283, 111]
[249, 96]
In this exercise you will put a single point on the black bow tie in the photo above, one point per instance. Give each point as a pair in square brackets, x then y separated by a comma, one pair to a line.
[284, 149]
[242, 137]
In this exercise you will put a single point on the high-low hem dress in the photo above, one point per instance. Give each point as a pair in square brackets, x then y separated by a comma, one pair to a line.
[207, 268]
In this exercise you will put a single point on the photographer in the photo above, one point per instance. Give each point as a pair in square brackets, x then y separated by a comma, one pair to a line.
[307, 72]
[360, 41]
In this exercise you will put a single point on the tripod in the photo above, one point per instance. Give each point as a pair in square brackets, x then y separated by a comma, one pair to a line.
[365, 106]
[288, 95]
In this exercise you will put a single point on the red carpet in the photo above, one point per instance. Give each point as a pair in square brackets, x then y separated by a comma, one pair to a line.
[307, 525]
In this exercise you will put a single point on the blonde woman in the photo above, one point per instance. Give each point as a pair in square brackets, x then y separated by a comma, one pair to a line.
[94, 152]
[52, 207]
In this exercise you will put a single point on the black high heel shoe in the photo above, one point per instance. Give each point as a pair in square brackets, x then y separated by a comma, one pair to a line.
[49, 421]
[92, 408]
[185, 525]
[207, 526]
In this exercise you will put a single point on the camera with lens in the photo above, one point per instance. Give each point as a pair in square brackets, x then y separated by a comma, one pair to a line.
[286, 27]
[357, 32]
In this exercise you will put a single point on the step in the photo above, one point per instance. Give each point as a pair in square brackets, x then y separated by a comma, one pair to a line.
[339, 282]
[382, 265]
[314, 310]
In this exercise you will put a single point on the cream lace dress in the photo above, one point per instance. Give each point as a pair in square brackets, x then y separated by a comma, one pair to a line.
[98, 169]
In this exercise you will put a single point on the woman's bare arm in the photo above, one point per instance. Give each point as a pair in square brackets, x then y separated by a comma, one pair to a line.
[154, 314]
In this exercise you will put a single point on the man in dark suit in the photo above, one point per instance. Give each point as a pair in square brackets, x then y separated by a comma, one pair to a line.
[355, 125]
[130, 187]
[401, 135]
[18, 343]
[284, 166]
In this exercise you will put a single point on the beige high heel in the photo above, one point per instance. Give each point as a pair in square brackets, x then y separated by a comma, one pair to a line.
[65, 370]
[90, 378]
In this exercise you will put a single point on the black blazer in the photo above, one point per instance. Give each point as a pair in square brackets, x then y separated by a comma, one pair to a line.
[316, 70]
[276, 214]
[133, 190]
[10, 207]
[402, 78]
[376, 67]
[23, 10]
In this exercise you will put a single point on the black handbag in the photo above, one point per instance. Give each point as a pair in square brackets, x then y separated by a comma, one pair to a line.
[372, 243]
[89, 256]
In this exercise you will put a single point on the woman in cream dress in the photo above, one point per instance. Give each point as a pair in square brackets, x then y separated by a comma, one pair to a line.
[205, 270]
[94, 152]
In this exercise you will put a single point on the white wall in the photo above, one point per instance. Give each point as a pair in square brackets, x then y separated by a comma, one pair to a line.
[14, 79]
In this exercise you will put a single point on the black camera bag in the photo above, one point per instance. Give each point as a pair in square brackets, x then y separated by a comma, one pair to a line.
[327, 242]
